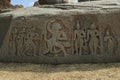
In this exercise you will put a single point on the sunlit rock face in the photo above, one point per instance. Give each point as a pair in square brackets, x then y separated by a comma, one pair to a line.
[18, 6]
[61, 33]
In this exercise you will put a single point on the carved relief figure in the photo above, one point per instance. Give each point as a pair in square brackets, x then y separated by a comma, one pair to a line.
[20, 41]
[79, 38]
[57, 36]
[12, 42]
[93, 36]
[30, 45]
[23, 42]
[118, 45]
[109, 42]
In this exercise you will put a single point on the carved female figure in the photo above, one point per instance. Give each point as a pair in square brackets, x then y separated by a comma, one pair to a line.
[108, 39]
[20, 41]
[30, 45]
[93, 36]
[13, 42]
[79, 38]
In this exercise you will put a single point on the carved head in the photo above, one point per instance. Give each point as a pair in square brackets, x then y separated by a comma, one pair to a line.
[24, 29]
[56, 26]
[107, 33]
[78, 25]
[93, 26]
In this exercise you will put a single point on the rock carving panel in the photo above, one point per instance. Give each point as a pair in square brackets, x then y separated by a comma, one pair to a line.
[57, 37]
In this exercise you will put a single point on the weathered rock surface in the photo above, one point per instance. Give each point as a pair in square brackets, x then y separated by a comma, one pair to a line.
[36, 3]
[62, 33]
[5, 4]
[18, 6]
[47, 2]
[55, 1]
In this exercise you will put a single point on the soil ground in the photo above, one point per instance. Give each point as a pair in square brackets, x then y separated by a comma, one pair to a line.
[17, 71]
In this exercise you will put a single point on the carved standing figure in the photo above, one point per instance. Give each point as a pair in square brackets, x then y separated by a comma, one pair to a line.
[79, 38]
[57, 35]
[13, 42]
[93, 35]
[108, 39]
[30, 45]
[20, 41]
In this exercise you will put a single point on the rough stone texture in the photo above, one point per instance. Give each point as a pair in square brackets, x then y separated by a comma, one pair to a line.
[55, 1]
[49, 2]
[36, 3]
[18, 6]
[44, 2]
[5, 4]
[62, 33]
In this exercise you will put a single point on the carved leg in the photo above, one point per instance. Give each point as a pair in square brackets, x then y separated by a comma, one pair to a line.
[49, 49]
[91, 49]
[95, 49]
[80, 51]
[62, 48]
[76, 48]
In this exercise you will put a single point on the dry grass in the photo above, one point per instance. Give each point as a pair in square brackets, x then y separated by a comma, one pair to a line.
[17, 71]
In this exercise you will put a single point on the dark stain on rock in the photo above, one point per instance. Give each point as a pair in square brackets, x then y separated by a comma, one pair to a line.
[4, 27]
